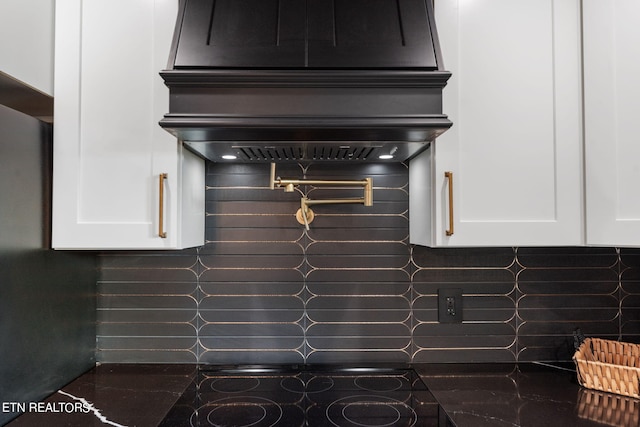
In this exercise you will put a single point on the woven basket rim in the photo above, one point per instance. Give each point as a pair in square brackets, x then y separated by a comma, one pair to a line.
[608, 340]
[598, 363]
[594, 368]
[583, 345]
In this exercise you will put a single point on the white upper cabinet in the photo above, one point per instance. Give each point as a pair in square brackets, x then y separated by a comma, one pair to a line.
[109, 151]
[612, 107]
[26, 42]
[515, 148]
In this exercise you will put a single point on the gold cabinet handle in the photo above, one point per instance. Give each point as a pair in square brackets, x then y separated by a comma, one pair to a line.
[161, 232]
[449, 177]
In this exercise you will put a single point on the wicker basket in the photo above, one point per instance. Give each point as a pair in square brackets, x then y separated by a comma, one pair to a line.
[609, 366]
[610, 409]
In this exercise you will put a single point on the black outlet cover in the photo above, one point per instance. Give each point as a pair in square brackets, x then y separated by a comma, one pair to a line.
[450, 305]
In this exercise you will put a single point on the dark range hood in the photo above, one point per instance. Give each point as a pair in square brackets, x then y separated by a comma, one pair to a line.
[305, 80]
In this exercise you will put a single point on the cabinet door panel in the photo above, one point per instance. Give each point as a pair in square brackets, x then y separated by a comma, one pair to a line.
[242, 33]
[108, 147]
[114, 147]
[612, 102]
[370, 34]
[515, 101]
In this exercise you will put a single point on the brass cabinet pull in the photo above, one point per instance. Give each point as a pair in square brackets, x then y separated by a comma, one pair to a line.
[161, 232]
[449, 176]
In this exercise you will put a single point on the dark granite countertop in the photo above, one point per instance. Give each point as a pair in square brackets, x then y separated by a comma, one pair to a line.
[112, 395]
[524, 395]
[472, 395]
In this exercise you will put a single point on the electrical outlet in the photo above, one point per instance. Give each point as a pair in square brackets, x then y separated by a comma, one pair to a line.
[450, 305]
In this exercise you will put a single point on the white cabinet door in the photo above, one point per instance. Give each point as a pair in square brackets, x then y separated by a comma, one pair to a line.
[109, 150]
[612, 104]
[515, 101]
[26, 42]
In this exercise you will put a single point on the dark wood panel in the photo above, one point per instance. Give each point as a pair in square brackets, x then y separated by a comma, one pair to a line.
[370, 34]
[315, 33]
[242, 34]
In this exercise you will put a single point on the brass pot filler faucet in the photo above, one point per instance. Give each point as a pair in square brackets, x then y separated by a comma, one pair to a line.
[305, 215]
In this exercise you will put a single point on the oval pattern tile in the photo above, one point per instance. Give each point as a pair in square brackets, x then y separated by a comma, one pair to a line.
[235, 357]
[251, 330]
[358, 309]
[567, 257]
[482, 276]
[252, 343]
[251, 309]
[481, 355]
[277, 248]
[252, 289]
[158, 274]
[433, 332]
[153, 315]
[502, 341]
[147, 288]
[565, 329]
[147, 302]
[151, 260]
[366, 221]
[285, 221]
[133, 329]
[479, 308]
[358, 343]
[345, 248]
[358, 332]
[347, 288]
[553, 302]
[252, 262]
[147, 356]
[146, 343]
[317, 277]
[448, 258]
[250, 234]
[360, 356]
[241, 275]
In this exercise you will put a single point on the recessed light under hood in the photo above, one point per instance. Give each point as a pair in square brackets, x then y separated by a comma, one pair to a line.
[306, 80]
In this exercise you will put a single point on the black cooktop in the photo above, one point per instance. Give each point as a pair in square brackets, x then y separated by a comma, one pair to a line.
[263, 396]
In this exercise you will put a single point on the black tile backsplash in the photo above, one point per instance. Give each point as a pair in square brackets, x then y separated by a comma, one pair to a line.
[351, 289]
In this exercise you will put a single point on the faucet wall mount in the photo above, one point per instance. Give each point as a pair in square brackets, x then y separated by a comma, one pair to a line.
[305, 215]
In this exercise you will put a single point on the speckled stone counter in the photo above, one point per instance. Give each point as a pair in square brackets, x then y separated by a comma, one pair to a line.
[523, 395]
[112, 395]
[469, 395]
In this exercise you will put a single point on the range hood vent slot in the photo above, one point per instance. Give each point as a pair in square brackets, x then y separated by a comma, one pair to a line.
[271, 154]
[316, 153]
[309, 151]
[342, 153]
[335, 73]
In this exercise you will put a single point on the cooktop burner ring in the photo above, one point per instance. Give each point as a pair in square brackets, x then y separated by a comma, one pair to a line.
[355, 404]
[388, 412]
[342, 397]
[379, 384]
[235, 384]
[269, 412]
